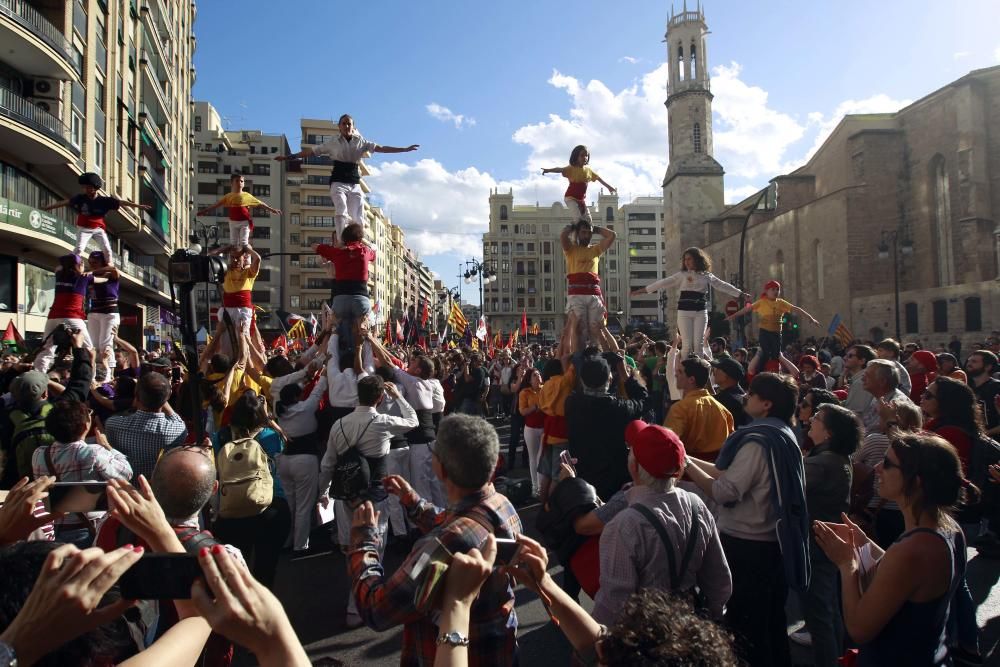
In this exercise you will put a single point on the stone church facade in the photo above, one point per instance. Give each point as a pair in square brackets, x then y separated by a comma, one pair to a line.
[921, 184]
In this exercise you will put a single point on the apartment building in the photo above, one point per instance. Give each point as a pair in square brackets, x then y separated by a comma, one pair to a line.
[102, 86]
[217, 154]
[399, 280]
[523, 247]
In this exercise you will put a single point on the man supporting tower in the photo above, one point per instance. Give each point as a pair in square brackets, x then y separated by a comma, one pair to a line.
[584, 284]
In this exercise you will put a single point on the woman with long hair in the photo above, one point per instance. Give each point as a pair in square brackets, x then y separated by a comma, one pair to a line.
[954, 414]
[692, 282]
[259, 537]
[896, 602]
[534, 424]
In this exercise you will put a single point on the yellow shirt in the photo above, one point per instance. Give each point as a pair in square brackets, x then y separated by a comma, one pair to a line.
[771, 312]
[578, 178]
[240, 199]
[582, 260]
[552, 397]
[239, 280]
[701, 422]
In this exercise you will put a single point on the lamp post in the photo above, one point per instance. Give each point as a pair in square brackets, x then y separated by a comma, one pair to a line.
[445, 297]
[485, 275]
[204, 237]
[900, 244]
[662, 301]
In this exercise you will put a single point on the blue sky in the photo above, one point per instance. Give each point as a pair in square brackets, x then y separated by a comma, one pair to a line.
[492, 91]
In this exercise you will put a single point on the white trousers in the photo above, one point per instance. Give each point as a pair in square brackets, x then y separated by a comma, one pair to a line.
[692, 324]
[397, 463]
[576, 213]
[422, 477]
[533, 441]
[83, 236]
[299, 475]
[103, 327]
[349, 200]
[239, 233]
[48, 353]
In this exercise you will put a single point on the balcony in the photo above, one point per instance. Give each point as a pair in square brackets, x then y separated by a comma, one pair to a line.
[27, 130]
[155, 84]
[150, 126]
[32, 44]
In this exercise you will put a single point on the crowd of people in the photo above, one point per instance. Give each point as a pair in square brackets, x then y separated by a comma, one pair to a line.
[686, 489]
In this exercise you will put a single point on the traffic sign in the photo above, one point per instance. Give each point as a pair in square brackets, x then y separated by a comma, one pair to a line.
[732, 307]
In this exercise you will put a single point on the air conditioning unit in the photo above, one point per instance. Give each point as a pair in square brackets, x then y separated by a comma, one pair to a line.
[49, 106]
[49, 89]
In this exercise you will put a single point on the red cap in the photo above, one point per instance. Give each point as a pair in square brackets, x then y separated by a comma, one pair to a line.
[927, 359]
[841, 394]
[657, 449]
[771, 284]
[809, 358]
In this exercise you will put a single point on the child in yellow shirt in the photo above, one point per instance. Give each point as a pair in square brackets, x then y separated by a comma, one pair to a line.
[238, 204]
[578, 174]
[771, 310]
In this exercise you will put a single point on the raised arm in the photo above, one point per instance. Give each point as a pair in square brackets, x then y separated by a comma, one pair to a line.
[552, 170]
[254, 260]
[564, 237]
[802, 312]
[742, 311]
[395, 149]
[214, 206]
[133, 354]
[610, 188]
[305, 152]
[724, 287]
[59, 204]
[608, 237]
[131, 204]
[658, 285]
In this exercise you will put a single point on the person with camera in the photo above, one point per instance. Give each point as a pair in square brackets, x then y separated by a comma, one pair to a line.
[66, 316]
[369, 433]
[465, 457]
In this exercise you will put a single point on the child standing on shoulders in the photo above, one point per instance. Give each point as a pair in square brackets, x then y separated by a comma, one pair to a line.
[771, 310]
[90, 211]
[578, 174]
[240, 221]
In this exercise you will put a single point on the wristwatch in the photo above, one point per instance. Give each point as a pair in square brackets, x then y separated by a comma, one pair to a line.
[449, 638]
[8, 657]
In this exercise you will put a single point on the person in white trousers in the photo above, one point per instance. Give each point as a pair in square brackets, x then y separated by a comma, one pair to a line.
[346, 150]
[534, 420]
[103, 319]
[692, 283]
[67, 308]
[237, 204]
[298, 464]
[90, 211]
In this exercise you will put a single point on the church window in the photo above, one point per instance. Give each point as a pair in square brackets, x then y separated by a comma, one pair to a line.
[694, 62]
[503, 212]
[942, 221]
[680, 63]
[697, 137]
[610, 214]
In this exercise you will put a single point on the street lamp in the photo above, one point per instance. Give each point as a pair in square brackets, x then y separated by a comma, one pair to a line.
[900, 244]
[484, 273]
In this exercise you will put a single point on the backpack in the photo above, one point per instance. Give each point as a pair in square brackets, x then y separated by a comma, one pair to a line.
[246, 486]
[29, 434]
[352, 475]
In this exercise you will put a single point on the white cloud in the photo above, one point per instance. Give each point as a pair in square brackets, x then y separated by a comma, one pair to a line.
[825, 124]
[631, 60]
[996, 54]
[446, 115]
[958, 55]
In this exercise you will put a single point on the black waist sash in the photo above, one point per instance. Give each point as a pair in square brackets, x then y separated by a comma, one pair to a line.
[691, 300]
[345, 172]
[425, 431]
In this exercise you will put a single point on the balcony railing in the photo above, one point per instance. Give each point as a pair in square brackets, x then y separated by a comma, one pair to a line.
[150, 276]
[21, 110]
[28, 17]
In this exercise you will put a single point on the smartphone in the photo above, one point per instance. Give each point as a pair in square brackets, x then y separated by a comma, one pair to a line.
[506, 549]
[161, 577]
[564, 457]
[77, 497]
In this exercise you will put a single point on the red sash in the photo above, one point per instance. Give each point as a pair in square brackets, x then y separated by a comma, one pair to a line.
[237, 299]
[584, 284]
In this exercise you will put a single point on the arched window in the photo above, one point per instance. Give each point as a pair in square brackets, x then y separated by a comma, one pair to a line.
[680, 63]
[609, 214]
[942, 222]
[694, 63]
[516, 232]
[697, 137]
[818, 264]
[503, 211]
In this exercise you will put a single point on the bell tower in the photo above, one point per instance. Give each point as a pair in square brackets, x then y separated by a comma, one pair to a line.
[693, 184]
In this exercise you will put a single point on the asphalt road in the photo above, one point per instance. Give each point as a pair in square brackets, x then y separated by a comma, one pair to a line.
[314, 590]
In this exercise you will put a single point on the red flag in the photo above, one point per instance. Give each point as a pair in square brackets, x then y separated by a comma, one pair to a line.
[524, 322]
[280, 341]
[388, 330]
[424, 314]
[399, 331]
[422, 343]
[510, 341]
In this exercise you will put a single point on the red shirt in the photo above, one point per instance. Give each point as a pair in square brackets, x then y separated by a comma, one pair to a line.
[351, 261]
[958, 438]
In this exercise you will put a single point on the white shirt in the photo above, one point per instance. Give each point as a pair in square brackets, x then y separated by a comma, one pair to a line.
[422, 394]
[693, 281]
[743, 494]
[300, 419]
[346, 150]
[343, 385]
[367, 430]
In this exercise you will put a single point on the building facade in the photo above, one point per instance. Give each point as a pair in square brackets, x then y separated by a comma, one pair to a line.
[911, 196]
[217, 155]
[104, 87]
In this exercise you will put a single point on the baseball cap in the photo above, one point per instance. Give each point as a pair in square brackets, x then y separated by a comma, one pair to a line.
[730, 367]
[29, 387]
[927, 359]
[657, 449]
[595, 372]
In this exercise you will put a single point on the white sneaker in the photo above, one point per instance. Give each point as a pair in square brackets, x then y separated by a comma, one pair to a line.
[802, 638]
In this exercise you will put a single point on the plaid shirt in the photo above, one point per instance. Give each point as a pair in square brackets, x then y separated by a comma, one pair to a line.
[141, 436]
[80, 462]
[384, 603]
